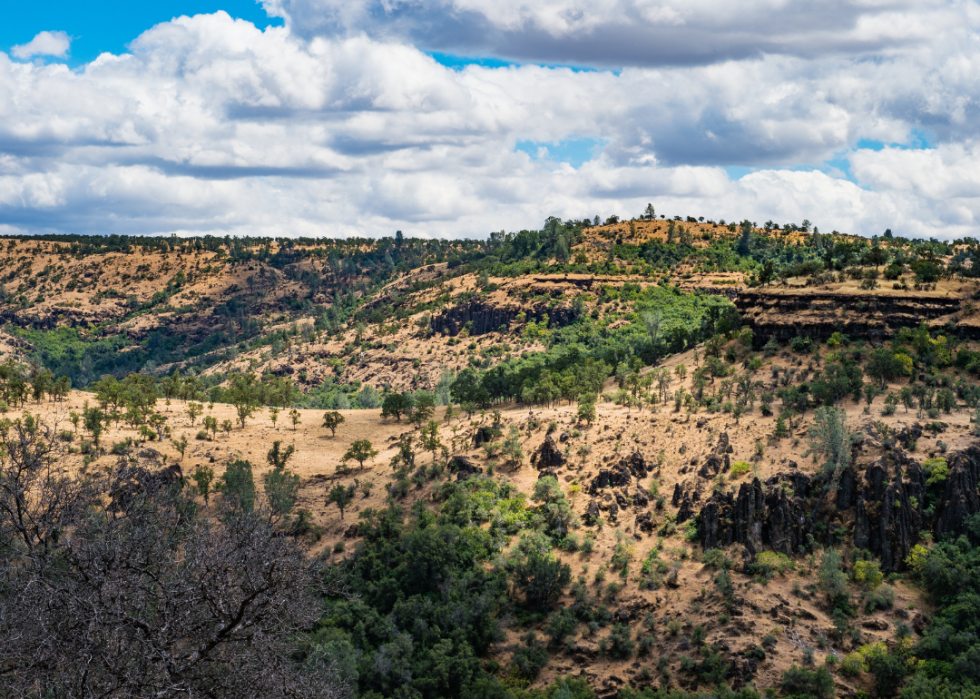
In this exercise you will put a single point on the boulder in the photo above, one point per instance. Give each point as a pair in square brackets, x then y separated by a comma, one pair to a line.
[464, 467]
[549, 455]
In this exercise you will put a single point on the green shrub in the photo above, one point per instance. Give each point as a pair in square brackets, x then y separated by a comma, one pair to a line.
[740, 468]
[807, 684]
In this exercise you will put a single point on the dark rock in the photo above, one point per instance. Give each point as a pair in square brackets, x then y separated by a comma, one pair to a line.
[960, 499]
[609, 478]
[671, 579]
[464, 467]
[549, 455]
[644, 522]
[678, 495]
[635, 464]
[613, 511]
[483, 435]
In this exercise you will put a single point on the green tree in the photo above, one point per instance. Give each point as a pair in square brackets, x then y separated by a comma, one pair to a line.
[332, 420]
[194, 410]
[274, 416]
[281, 486]
[883, 365]
[181, 445]
[245, 394]
[512, 449]
[238, 485]
[341, 496]
[800, 683]
[830, 439]
[211, 425]
[94, 421]
[394, 405]
[423, 409]
[540, 578]
[586, 411]
[295, 418]
[360, 451]
[203, 476]
[430, 438]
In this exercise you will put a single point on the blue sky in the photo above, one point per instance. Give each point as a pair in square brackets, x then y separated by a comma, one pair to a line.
[451, 117]
[109, 25]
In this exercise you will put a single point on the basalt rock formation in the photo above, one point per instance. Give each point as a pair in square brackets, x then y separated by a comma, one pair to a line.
[886, 499]
[961, 498]
[484, 317]
[784, 314]
[549, 455]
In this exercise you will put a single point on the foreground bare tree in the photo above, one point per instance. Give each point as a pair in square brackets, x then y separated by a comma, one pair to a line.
[117, 585]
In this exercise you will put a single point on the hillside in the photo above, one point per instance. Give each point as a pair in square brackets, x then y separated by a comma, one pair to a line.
[649, 455]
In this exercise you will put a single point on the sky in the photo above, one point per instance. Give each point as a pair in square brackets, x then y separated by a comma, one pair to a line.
[454, 118]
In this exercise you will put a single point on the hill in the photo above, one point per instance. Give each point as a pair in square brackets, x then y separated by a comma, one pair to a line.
[650, 455]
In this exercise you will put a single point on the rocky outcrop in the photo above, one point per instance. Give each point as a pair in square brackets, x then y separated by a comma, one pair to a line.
[785, 314]
[549, 455]
[621, 474]
[464, 467]
[960, 498]
[775, 518]
[886, 497]
[485, 317]
[888, 510]
[483, 435]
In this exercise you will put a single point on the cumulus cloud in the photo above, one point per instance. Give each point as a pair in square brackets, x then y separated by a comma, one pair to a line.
[631, 32]
[209, 125]
[44, 44]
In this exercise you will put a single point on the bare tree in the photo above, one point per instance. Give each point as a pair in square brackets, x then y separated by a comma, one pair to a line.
[118, 585]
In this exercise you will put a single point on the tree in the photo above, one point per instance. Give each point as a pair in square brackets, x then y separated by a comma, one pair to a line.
[430, 438]
[211, 425]
[512, 449]
[884, 365]
[277, 457]
[203, 476]
[653, 320]
[159, 597]
[800, 683]
[341, 496]
[295, 418]
[281, 486]
[274, 416]
[541, 578]
[94, 421]
[238, 485]
[745, 239]
[394, 405]
[181, 445]
[226, 426]
[586, 412]
[360, 451]
[332, 420]
[837, 381]
[649, 213]
[194, 410]
[423, 410]
[245, 394]
[830, 439]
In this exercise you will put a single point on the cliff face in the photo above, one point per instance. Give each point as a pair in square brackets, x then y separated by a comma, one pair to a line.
[885, 497]
[487, 317]
[785, 314]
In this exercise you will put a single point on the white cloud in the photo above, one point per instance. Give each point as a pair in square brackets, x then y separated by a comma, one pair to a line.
[44, 44]
[210, 125]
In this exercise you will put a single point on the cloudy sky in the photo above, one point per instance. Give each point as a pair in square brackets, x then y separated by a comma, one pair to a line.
[458, 117]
